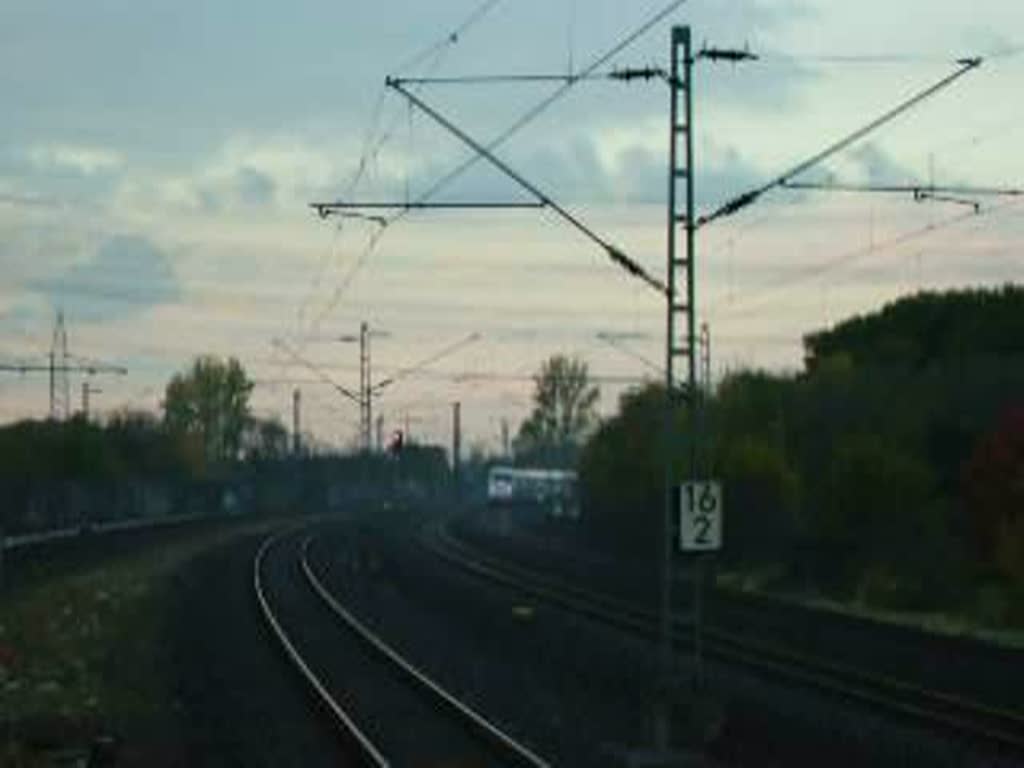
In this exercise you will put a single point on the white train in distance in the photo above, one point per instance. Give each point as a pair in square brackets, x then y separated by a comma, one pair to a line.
[553, 490]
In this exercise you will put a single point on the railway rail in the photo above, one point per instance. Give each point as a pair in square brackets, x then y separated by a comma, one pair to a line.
[363, 692]
[982, 725]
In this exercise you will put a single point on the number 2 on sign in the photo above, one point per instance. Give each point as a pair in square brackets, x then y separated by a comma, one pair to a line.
[702, 524]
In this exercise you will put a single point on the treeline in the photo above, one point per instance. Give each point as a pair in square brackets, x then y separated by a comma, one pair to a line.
[128, 444]
[890, 471]
[135, 464]
[59, 474]
[927, 328]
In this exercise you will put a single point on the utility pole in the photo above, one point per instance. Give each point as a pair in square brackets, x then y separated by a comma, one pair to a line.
[58, 366]
[680, 345]
[705, 398]
[367, 389]
[296, 422]
[59, 383]
[705, 357]
[53, 386]
[364, 387]
[88, 389]
[380, 432]
[682, 348]
[457, 448]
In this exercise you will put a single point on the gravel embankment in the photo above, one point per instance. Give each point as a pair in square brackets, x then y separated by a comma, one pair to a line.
[152, 638]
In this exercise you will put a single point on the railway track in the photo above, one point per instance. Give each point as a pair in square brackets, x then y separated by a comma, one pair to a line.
[988, 727]
[385, 710]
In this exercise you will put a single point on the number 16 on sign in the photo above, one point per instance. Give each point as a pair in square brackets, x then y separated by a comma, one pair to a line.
[700, 518]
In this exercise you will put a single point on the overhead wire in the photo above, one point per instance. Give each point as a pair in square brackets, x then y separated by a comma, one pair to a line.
[534, 112]
[976, 137]
[372, 153]
[752, 302]
[738, 203]
[428, 361]
[632, 267]
[375, 138]
[341, 390]
[771, 57]
[648, 73]
[615, 342]
[521, 122]
[453, 37]
[916, 189]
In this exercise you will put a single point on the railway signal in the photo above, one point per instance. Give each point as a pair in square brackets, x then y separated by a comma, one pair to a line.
[396, 443]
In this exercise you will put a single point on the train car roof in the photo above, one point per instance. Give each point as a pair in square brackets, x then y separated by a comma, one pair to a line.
[534, 473]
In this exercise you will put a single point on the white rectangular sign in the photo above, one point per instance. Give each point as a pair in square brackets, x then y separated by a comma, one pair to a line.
[700, 516]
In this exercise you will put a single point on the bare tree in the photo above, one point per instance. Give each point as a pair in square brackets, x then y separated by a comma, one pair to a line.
[564, 412]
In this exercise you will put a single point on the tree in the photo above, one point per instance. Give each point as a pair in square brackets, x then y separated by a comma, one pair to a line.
[622, 471]
[210, 402]
[564, 412]
[266, 440]
[764, 494]
[993, 482]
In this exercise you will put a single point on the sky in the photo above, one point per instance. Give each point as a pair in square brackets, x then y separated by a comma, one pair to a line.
[157, 161]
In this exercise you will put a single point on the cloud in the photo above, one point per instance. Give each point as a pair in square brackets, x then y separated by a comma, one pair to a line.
[254, 188]
[83, 160]
[584, 170]
[58, 175]
[125, 276]
[242, 175]
[878, 167]
[722, 174]
[208, 191]
[244, 188]
[17, 200]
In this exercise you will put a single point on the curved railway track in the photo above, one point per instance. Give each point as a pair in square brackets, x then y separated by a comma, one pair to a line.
[985, 726]
[385, 710]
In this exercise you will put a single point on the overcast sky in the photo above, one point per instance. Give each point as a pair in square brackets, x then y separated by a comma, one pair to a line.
[156, 161]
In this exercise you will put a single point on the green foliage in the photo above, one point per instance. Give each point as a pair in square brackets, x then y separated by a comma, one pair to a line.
[423, 468]
[210, 402]
[880, 517]
[564, 412]
[131, 444]
[46, 465]
[764, 493]
[622, 470]
[927, 328]
[998, 604]
[994, 496]
[854, 475]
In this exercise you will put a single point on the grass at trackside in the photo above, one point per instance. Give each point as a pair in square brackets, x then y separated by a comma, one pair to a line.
[952, 623]
[81, 648]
